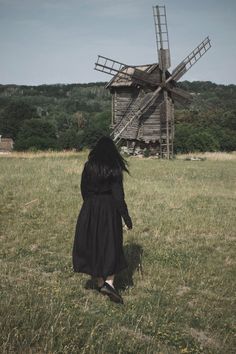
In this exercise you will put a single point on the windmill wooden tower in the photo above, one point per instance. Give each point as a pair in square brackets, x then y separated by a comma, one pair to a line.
[143, 96]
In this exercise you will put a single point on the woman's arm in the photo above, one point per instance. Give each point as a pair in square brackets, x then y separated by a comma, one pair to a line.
[84, 184]
[119, 198]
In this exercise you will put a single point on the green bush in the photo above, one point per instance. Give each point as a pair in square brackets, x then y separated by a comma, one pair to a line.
[189, 139]
[69, 139]
[36, 133]
[97, 126]
[13, 116]
[226, 138]
[202, 141]
[182, 133]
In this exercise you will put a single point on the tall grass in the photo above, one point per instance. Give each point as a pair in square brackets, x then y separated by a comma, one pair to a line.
[178, 290]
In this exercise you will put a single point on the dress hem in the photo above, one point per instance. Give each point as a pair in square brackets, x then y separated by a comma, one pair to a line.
[103, 275]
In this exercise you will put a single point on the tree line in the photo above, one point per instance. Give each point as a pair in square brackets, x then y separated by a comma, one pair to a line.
[76, 115]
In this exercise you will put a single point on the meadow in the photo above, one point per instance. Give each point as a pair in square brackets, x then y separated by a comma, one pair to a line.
[179, 289]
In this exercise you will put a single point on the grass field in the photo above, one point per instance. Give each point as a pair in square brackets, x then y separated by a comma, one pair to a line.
[179, 289]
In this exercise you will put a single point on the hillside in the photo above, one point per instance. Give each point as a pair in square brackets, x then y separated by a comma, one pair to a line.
[75, 115]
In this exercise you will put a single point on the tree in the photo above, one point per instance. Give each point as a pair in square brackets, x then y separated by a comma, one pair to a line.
[70, 139]
[13, 116]
[226, 138]
[182, 134]
[97, 127]
[189, 138]
[202, 141]
[36, 133]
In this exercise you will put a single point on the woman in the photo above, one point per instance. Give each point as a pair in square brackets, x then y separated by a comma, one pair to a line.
[98, 243]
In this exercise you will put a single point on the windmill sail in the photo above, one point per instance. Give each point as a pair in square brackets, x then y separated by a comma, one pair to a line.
[111, 67]
[191, 59]
[163, 50]
[123, 71]
[180, 94]
[162, 37]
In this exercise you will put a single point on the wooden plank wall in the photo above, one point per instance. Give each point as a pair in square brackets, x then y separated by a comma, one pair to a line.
[147, 128]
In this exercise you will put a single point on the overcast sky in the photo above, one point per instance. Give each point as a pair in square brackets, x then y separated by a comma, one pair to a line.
[57, 41]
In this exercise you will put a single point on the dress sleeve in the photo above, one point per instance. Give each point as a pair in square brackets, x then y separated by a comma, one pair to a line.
[84, 184]
[119, 198]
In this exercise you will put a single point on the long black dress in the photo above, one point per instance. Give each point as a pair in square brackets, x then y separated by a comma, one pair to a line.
[98, 242]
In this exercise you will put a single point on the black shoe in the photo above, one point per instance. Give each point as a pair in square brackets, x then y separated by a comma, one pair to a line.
[107, 289]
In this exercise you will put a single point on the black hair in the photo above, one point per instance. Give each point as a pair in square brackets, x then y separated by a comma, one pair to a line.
[105, 162]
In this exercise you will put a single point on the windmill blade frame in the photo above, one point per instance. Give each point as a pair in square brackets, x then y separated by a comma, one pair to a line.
[124, 72]
[162, 37]
[191, 59]
[163, 50]
[111, 67]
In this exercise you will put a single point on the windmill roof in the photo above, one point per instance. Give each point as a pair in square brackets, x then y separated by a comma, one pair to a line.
[124, 77]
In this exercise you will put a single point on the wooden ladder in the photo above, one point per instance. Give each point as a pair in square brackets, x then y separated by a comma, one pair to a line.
[167, 129]
[139, 107]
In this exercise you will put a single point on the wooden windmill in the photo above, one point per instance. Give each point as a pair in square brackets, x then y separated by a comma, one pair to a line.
[143, 96]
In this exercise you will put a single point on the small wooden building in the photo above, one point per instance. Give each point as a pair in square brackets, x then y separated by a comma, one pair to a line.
[6, 144]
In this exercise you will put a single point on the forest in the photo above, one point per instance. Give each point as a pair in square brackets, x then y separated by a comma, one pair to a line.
[74, 116]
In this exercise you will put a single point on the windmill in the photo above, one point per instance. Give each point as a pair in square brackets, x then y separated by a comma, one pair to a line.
[143, 96]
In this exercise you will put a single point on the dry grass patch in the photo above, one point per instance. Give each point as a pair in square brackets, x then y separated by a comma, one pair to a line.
[215, 156]
[205, 339]
[47, 153]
